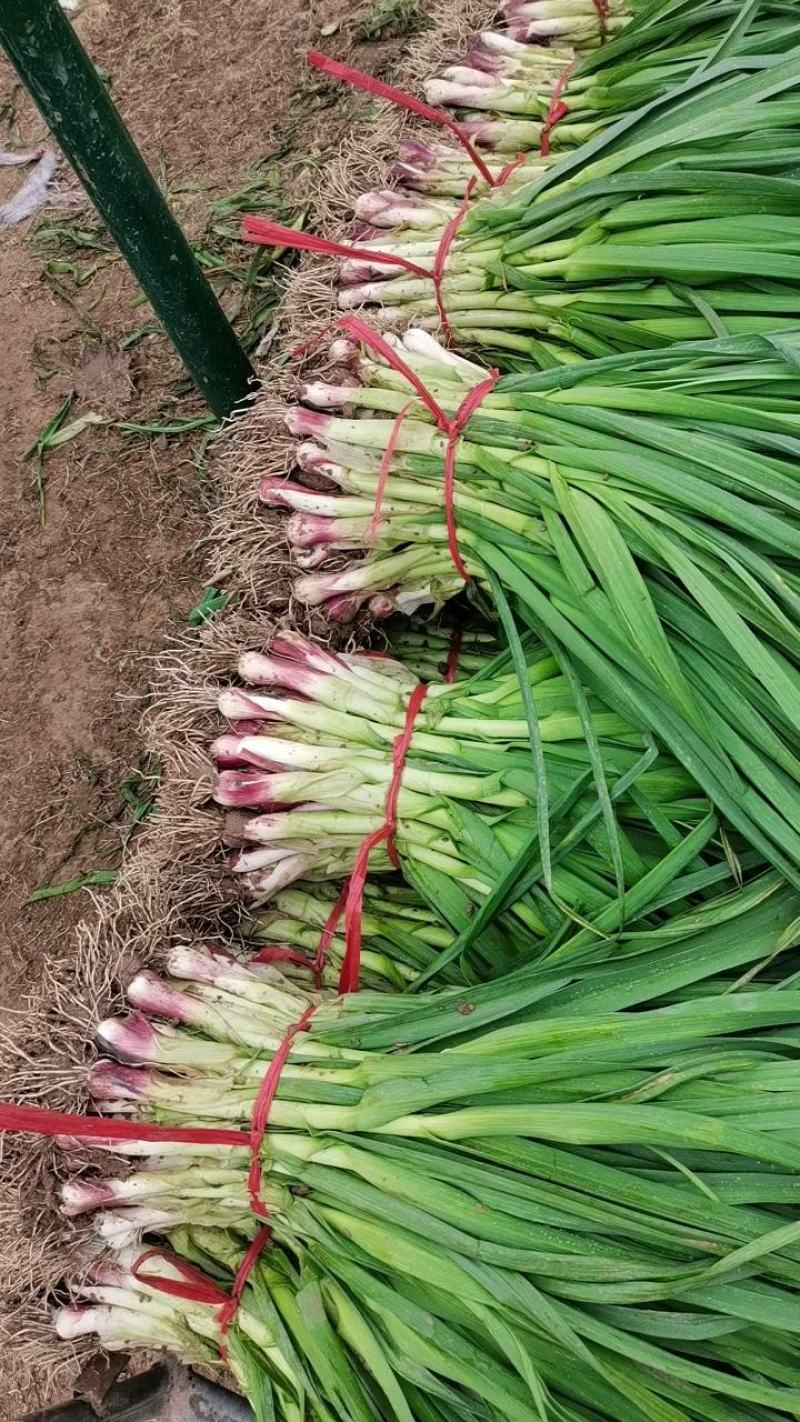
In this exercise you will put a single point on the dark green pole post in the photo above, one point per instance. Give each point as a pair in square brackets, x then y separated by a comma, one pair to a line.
[59, 75]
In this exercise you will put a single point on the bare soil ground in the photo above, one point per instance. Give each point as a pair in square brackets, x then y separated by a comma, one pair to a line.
[101, 562]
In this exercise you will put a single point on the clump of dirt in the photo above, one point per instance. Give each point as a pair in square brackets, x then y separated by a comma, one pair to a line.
[101, 535]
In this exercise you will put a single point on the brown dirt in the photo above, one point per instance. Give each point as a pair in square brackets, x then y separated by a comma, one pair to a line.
[90, 593]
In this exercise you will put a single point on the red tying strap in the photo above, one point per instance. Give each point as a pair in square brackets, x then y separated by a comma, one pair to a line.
[359, 80]
[234, 1298]
[601, 6]
[304, 346]
[197, 1288]
[383, 474]
[36, 1121]
[452, 655]
[452, 428]
[400, 747]
[283, 955]
[351, 965]
[263, 1105]
[258, 1127]
[442, 252]
[505, 173]
[258, 229]
[354, 326]
[448, 235]
[455, 429]
[446, 241]
[328, 933]
[196, 1285]
[294, 955]
[557, 109]
[272, 234]
[261, 230]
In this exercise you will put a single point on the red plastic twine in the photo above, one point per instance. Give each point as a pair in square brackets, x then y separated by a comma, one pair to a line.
[557, 109]
[273, 234]
[453, 655]
[306, 346]
[194, 1285]
[258, 229]
[351, 965]
[452, 428]
[259, 1121]
[505, 173]
[383, 473]
[328, 933]
[36, 1121]
[234, 1298]
[354, 326]
[351, 899]
[283, 955]
[601, 6]
[455, 429]
[294, 955]
[356, 77]
[448, 235]
[197, 1287]
[266, 233]
[263, 1105]
[442, 253]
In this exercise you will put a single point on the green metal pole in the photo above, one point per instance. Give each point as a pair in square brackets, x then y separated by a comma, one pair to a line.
[58, 73]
